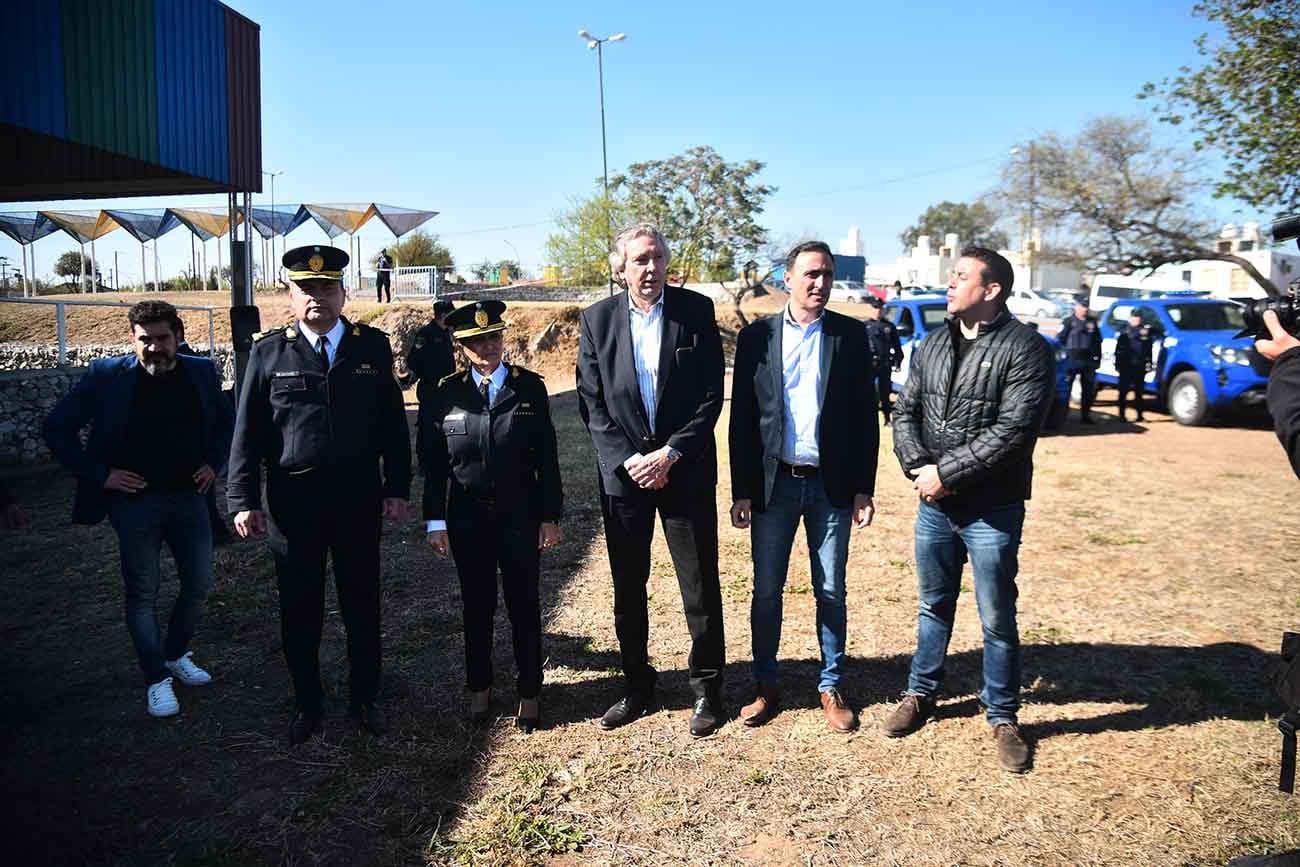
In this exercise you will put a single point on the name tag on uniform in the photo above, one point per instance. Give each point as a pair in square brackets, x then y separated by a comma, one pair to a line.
[288, 380]
[365, 369]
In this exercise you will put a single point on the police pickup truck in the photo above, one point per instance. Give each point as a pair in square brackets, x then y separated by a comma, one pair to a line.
[1199, 366]
[918, 315]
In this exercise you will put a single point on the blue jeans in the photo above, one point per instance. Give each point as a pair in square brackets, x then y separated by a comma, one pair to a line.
[771, 537]
[143, 522]
[990, 538]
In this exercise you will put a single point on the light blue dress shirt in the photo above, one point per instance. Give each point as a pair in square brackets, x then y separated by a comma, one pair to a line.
[647, 337]
[801, 363]
[335, 334]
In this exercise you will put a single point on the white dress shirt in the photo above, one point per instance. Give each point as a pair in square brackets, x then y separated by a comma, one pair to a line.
[801, 358]
[496, 379]
[335, 334]
[647, 338]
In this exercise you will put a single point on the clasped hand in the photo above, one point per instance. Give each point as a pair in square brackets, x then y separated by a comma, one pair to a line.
[651, 471]
[928, 485]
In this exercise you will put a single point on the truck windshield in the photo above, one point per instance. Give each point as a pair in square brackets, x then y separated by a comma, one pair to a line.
[933, 315]
[1207, 317]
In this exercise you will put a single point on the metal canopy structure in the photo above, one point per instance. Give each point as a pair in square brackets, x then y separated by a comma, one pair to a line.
[206, 223]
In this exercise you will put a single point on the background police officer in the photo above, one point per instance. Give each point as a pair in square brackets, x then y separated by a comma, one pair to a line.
[1132, 360]
[492, 491]
[432, 354]
[320, 407]
[1081, 338]
[886, 352]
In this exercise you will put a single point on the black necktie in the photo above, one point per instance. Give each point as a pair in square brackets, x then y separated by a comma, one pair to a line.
[322, 349]
[483, 392]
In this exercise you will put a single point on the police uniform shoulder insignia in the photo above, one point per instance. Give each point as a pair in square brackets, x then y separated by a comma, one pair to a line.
[258, 335]
[356, 332]
[290, 334]
[514, 372]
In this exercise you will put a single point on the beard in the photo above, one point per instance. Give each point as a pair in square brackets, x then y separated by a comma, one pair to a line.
[158, 362]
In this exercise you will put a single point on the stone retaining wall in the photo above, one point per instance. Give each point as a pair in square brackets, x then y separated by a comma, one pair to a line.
[31, 384]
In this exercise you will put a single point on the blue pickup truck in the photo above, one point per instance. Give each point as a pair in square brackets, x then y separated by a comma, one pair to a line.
[1199, 366]
[918, 315]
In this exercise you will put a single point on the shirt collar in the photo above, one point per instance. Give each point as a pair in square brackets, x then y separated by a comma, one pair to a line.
[497, 377]
[658, 305]
[789, 319]
[335, 334]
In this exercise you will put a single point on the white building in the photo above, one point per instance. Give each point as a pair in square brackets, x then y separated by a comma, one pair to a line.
[1223, 279]
[927, 265]
[852, 245]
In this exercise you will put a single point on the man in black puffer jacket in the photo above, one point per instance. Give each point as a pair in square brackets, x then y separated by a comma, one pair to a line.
[964, 432]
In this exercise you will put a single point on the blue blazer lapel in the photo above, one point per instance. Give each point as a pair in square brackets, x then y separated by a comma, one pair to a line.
[829, 340]
[117, 408]
[671, 335]
[621, 328]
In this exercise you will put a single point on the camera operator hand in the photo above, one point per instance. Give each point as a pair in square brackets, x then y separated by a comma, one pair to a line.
[1279, 342]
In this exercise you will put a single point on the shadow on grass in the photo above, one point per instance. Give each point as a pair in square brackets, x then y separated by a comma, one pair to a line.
[92, 779]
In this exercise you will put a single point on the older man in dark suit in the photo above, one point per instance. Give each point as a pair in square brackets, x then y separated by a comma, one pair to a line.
[804, 446]
[650, 392]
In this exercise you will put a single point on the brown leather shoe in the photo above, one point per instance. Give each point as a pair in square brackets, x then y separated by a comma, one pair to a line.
[763, 707]
[839, 716]
[1013, 750]
[910, 714]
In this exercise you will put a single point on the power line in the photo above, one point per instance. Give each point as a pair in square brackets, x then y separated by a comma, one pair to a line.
[897, 180]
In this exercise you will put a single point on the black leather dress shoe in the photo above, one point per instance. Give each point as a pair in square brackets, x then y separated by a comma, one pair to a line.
[372, 719]
[706, 718]
[627, 709]
[302, 727]
[529, 724]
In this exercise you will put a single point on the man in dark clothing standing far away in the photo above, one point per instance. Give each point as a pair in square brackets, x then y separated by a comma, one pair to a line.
[1133, 360]
[432, 357]
[885, 354]
[650, 393]
[383, 277]
[1081, 338]
[320, 406]
[159, 435]
[964, 432]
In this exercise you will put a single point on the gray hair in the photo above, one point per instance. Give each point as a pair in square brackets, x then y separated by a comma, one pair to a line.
[618, 258]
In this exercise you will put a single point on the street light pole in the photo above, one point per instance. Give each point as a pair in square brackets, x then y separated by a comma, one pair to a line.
[273, 176]
[598, 44]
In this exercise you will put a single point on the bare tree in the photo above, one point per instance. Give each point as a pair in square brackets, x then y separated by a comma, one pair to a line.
[1121, 202]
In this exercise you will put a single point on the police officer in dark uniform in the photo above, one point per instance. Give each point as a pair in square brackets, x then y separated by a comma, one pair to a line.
[1133, 360]
[432, 354]
[321, 408]
[1081, 338]
[492, 492]
[886, 352]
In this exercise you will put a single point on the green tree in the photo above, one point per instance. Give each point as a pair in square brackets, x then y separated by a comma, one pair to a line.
[701, 203]
[722, 267]
[974, 224]
[580, 245]
[69, 265]
[482, 270]
[418, 248]
[513, 268]
[1124, 204]
[1245, 101]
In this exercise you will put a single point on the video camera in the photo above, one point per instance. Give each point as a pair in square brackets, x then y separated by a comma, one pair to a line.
[1287, 307]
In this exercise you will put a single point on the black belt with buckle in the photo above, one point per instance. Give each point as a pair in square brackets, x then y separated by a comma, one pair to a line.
[800, 472]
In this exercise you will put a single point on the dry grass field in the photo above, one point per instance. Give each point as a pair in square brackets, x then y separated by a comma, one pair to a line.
[1158, 570]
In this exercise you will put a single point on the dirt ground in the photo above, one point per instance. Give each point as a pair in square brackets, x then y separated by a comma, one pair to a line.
[1158, 569]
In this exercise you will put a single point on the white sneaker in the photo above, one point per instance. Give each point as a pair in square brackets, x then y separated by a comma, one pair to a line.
[162, 699]
[187, 672]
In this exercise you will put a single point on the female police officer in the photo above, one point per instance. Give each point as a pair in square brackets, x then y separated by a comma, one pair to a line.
[492, 491]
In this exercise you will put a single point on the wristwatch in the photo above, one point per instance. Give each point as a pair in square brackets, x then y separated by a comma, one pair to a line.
[674, 455]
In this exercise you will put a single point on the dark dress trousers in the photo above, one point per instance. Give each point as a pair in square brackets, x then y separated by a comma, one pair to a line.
[322, 436]
[493, 474]
[848, 439]
[687, 404]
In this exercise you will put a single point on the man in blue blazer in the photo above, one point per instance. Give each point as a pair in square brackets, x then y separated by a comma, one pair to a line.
[160, 433]
[804, 445]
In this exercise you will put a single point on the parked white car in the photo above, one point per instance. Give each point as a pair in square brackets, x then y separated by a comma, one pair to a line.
[849, 290]
[1028, 303]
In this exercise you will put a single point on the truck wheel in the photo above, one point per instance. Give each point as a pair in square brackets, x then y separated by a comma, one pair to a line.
[1186, 399]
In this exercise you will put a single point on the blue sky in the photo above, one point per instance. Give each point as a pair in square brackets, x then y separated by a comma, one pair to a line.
[864, 113]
